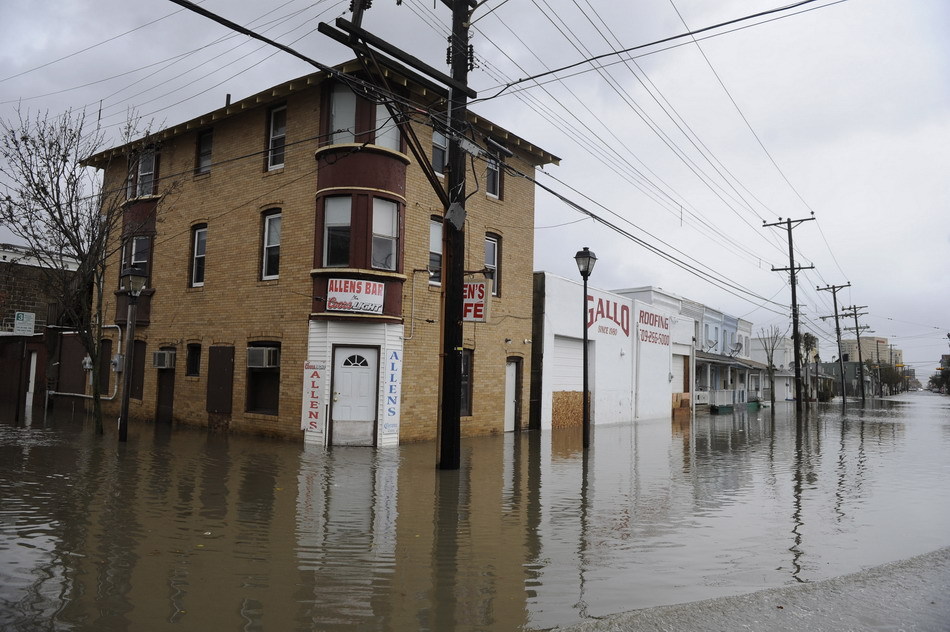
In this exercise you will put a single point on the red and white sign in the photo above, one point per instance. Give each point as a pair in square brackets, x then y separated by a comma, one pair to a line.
[616, 314]
[476, 298]
[355, 295]
[312, 418]
[654, 328]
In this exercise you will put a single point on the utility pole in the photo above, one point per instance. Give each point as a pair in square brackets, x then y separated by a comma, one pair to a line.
[834, 296]
[857, 332]
[453, 236]
[789, 224]
[453, 247]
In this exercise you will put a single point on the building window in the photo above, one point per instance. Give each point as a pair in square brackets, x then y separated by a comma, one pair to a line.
[440, 152]
[277, 137]
[342, 115]
[493, 179]
[336, 231]
[263, 377]
[271, 266]
[435, 251]
[387, 130]
[199, 239]
[193, 360]
[143, 172]
[493, 262]
[135, 254]
[466, 383]
[203, 148]
[385, 234]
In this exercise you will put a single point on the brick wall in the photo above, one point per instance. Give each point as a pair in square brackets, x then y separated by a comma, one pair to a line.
[235, 308]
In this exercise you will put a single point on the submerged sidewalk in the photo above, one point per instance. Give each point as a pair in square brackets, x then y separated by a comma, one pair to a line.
[911, 595]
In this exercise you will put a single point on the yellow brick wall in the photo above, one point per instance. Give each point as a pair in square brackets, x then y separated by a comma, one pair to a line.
[234, 307]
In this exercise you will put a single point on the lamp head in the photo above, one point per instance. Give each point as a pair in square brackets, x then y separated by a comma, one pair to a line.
[585, 261]
[134, 280]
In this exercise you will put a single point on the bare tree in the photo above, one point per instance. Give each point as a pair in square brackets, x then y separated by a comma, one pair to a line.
[809, 343]
[55, 205]
[771, 340]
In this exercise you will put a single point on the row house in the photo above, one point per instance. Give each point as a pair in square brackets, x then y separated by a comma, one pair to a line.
[724, 372]
[293, 248]
[638, 356]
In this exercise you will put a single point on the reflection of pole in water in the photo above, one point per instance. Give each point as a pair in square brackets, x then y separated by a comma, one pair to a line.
[445, 552]
[798, 479]
[581, 604]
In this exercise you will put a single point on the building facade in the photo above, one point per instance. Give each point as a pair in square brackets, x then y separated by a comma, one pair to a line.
[636, 367]
[293, 248]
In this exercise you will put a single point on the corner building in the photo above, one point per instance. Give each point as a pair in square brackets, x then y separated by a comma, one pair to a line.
[293, 249]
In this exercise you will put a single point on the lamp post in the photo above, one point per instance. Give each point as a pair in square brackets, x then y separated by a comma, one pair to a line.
[133, 280]
[585, 264]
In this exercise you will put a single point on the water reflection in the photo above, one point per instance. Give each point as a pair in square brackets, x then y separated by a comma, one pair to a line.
[211, 531]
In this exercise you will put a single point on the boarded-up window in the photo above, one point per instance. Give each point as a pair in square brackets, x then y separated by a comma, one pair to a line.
[105, 366]
[220, 378]
[138, 370]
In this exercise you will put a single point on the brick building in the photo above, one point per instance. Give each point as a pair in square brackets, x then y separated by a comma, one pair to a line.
[292, 245]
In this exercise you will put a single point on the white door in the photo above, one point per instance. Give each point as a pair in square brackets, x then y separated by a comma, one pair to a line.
[355, 385]
[511, 395]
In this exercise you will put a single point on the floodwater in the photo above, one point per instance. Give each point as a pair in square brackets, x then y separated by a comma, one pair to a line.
[186, 530]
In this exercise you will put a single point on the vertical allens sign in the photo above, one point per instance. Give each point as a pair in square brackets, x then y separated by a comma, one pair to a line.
[312, 414]
[393, 390]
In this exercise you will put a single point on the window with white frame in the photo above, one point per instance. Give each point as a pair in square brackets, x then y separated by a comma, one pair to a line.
[440, 151]
[385, 234]
[342, 115]
[203, 149]
[493, 178]
[271, 245]
[387, 130]
[142, 174]
[435, 250]
[493, 262]
[336, 231]
[199, 240]
[277, 137]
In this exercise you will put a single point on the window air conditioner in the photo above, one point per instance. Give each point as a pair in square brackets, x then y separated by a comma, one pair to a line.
[163, 359]
[263, 357]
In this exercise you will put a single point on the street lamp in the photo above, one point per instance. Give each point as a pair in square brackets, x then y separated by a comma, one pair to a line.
[585, 264]
[133, 280]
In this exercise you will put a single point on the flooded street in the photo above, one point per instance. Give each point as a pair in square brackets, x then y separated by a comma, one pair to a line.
[189, 530]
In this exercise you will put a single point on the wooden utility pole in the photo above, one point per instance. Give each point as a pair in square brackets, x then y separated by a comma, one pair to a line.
[834, 296]
[857, 332]
[789, 224]
[453, 247]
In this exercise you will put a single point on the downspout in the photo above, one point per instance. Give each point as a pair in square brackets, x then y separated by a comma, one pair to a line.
[412, 304]
[115, 389]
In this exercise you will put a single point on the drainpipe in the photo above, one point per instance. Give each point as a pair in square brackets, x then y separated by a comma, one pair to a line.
[412, 304]
[115, 389]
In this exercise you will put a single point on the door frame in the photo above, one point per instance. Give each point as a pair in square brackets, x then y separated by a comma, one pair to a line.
[518, 362]
[379, 364]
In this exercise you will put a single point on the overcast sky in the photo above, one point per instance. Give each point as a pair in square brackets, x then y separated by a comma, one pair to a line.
[841, 108]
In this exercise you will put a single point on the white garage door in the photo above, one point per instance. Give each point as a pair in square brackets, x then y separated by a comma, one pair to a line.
[678, 373]
[565, 366]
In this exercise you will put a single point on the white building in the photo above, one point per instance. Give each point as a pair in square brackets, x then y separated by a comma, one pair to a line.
[639, 355]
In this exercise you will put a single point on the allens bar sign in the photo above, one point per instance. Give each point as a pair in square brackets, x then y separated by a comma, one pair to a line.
[355, 295]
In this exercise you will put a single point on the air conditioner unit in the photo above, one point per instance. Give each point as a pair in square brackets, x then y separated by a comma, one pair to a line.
[163, 359]
[263, 357]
